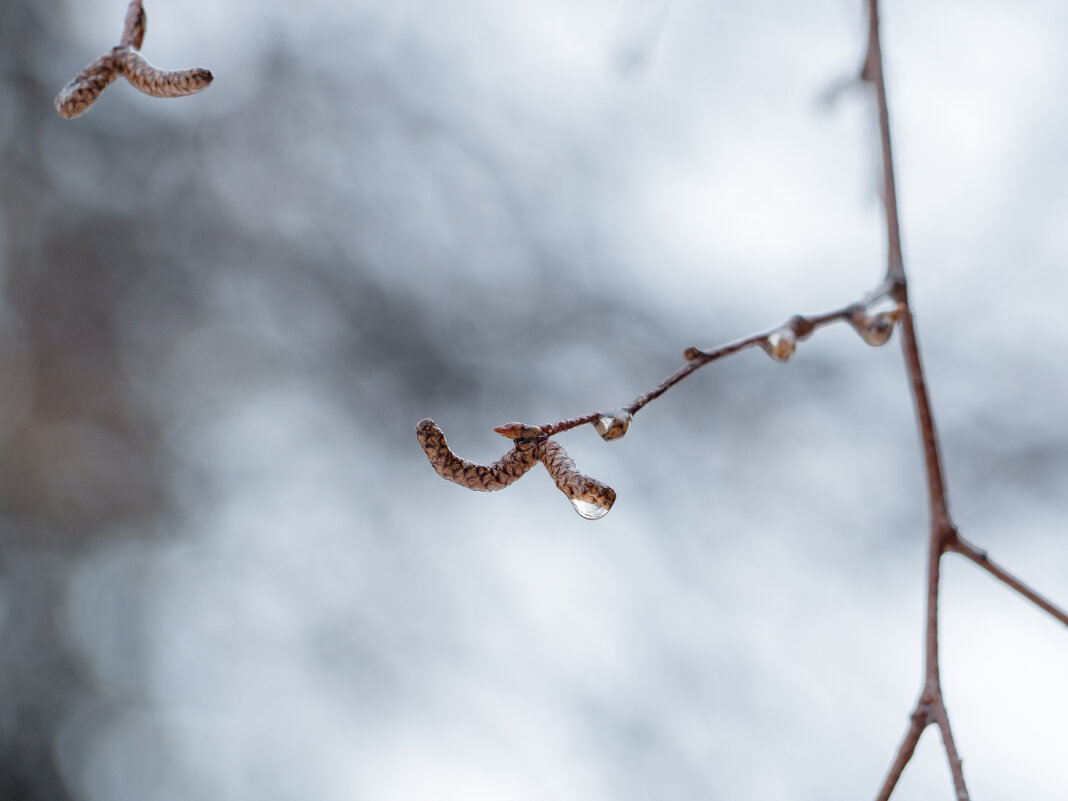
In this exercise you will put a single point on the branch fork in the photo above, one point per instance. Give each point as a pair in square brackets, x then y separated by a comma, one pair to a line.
[874, 317]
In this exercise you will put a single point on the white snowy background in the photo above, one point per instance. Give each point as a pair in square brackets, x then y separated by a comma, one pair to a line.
[478, 212]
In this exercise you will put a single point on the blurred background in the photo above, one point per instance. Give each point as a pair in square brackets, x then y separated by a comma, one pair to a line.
[226, 569]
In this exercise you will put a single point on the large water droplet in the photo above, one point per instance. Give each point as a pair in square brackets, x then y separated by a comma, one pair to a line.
[780, 344]
[875, 324]
[613, 425]
[876, 331]
[590, 511]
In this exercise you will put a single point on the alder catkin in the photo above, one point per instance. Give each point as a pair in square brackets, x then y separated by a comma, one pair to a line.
[133, 31]
[162, 83]
[591, 498]
[77, 96]
[570, 481]
[485, 478]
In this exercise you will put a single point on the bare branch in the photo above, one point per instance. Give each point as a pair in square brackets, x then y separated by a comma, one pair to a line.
[956, 769]
[942, 531]
[979, 556]
[918, 721]
[872, 72]
[875, 326]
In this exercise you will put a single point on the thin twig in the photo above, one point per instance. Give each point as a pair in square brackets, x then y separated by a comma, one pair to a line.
[942, 531]
[955, 767]
[873, 73]
[800, 326]
[918, 721]
[979, 556]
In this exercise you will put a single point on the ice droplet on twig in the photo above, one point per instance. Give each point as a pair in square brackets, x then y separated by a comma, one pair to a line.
[613, 425]
[780, 344]
[591, 498]
[590, 511]
[876, 325]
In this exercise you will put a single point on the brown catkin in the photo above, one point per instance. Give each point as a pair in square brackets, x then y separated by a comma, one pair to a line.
[77, 96]
[162, 83]
[570, 481]
[486, 478]
[510, 467]
[133, 31]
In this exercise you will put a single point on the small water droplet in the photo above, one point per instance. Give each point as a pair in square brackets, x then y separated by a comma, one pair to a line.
[590, 511]
[877, 330]
[780, 344]
[613, 425]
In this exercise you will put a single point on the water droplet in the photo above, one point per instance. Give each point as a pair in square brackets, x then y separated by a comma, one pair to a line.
[590, 511]
[876, 331]
[875, 324]
[613, 425]
[780, 344]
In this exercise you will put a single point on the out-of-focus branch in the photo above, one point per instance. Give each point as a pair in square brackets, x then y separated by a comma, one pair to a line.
[125, 60]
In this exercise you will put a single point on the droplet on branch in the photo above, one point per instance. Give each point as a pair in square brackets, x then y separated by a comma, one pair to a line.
[590, 511]
[613, 425]
[780, 344]
[591, 498]
[875, 324]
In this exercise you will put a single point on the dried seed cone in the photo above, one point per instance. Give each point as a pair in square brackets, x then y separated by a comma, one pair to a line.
[570, 481]
[133, 31]
[163, 83]
[75, 98]
[485, 478]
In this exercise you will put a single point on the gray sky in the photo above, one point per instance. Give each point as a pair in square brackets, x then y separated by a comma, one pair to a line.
[481, 212]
